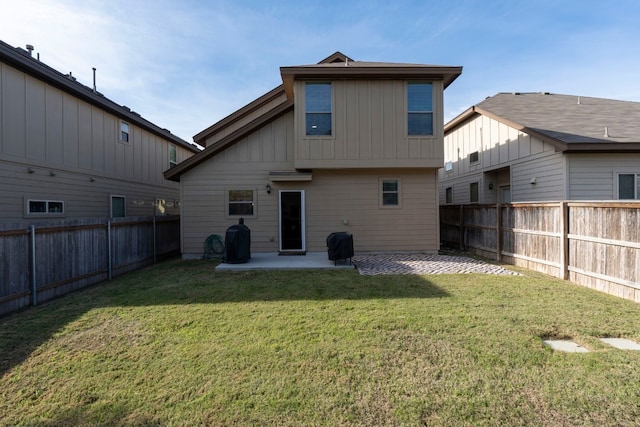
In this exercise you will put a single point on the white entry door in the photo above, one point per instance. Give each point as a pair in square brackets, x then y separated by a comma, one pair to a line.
[292, 221]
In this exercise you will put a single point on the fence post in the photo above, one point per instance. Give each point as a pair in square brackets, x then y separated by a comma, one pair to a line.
[34, 286]
[155, 241]
[564, 241]
[461, 228]
[109, 249]
[499, 233]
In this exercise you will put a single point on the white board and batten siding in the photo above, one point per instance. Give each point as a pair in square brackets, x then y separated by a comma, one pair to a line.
[55, 146]
[333, 197]
[500, 146]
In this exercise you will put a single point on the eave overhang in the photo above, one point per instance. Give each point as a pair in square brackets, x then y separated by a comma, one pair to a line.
[377, 72]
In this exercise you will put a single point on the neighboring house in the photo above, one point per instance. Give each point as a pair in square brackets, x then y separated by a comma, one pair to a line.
[68, 152]
[520, 147]
[341, 145]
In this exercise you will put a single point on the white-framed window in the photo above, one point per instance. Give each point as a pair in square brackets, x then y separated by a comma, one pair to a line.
[318, 106]
[629, 186]
[173, 155]
[389, 192]
[124, 132]
[241, 203]
[42, 207]
[474, 192]
[448, 195]
[419, 108]
[118, 206]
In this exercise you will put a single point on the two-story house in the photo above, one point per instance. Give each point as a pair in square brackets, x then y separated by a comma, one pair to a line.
[68, 152]
[341, 145]
[523, 147]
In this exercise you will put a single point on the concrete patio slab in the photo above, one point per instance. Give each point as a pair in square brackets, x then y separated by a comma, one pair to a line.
[566, 346]
[273, 261]
[621, 343]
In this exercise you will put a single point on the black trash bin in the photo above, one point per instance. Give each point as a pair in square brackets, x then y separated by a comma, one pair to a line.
[237, 244]
[340, 246]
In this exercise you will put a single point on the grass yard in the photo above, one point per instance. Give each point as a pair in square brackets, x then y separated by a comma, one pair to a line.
[179, 345]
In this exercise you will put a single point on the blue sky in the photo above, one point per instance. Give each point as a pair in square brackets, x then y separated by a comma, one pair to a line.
[185, 64]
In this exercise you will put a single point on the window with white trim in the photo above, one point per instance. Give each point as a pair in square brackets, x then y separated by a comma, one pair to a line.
[241, 203]
[419, 108]
[629, 186]
[124, 132]
[318, 108]
[389, 192]
[36, 207]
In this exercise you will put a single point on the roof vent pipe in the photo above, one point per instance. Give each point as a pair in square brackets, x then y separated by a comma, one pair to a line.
[579, 101]
[94, 80]
[30, 49]
[606, 132]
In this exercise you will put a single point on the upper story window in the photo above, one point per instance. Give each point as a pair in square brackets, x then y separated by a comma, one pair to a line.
[173, 155]
[419, 108]
[629, 186]
[474, 157]
[124, 132]
[318, 109]
[448, 195]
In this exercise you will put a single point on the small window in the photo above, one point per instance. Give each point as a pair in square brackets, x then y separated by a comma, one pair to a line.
[419, 109]
[241, 203]
[318, 109]
[390, 192]
[448, 195]
[448, 166]
[173, 156]
[628, 186]
[45, 207]
[473, 193]
[118, 207]
[474, 157]
[124, 132]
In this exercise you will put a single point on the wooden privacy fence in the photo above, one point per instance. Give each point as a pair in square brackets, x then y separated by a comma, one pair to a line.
[594, 244]
[39, 263]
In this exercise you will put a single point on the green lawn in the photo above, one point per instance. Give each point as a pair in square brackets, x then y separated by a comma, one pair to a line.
[179, 344]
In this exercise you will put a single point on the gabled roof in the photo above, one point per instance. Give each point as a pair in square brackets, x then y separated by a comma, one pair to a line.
[570, 122]
[23, 61]
[336, 65]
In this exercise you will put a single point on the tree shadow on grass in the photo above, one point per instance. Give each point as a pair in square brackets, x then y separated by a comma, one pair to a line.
[196, 282]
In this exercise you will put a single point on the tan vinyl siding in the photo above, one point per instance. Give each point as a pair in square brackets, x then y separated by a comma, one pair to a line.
[242, 121]
[369, 128]
[331, 197]
[594, 177]
[48, 130]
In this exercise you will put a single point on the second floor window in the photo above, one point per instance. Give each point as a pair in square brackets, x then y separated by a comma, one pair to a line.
[318, 109]
[419, 109]
[124, 132]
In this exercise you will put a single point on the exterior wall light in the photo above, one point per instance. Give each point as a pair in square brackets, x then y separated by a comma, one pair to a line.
[268, 188]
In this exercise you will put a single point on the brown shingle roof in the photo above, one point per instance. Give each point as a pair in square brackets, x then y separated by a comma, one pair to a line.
[577, 122]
